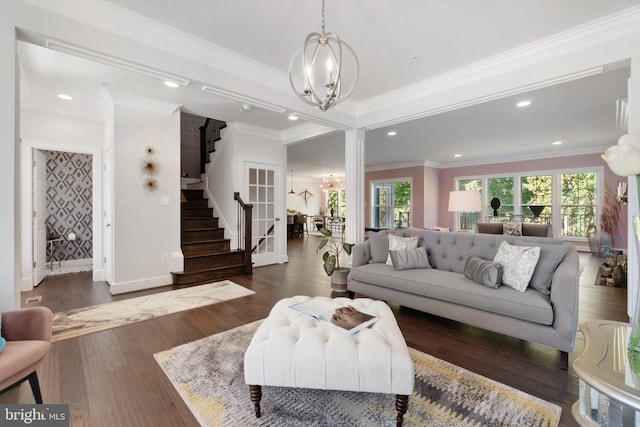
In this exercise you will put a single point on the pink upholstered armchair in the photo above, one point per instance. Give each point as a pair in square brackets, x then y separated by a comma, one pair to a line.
[28, 335]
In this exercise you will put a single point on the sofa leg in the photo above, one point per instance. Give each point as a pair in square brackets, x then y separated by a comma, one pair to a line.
[256, 396]
[564, 360]
[35, 387]
[402, 401]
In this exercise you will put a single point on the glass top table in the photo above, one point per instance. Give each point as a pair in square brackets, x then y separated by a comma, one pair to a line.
[609, 389]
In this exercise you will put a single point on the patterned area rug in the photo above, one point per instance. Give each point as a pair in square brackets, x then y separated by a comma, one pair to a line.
[208, 375]
[86, 320]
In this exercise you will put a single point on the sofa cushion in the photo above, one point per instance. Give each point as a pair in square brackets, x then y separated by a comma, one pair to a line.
[406, 259]
[379, 247]
[519, 263]
[485, 272]
[455, 288]
[550, 257]
[512, 228]
[399, 243]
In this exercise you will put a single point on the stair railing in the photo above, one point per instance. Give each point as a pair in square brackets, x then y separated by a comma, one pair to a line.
[263, 238]
[244, 213]
[209, 134]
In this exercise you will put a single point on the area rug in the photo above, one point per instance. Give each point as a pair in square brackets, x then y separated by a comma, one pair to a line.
[208, 374]
[86, 320]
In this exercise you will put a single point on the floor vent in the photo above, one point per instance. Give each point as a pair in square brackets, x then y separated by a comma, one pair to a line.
[33, 299]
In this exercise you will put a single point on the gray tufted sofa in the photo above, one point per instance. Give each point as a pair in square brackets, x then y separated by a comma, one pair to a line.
[549, 318]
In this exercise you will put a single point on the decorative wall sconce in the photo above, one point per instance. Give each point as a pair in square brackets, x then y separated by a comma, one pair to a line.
[150, 168]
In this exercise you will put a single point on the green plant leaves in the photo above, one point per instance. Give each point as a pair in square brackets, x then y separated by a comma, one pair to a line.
[329, 264]
[326, 232]
[347, 247]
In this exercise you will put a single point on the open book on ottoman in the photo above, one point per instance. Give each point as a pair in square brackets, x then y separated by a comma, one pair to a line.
[346, 317]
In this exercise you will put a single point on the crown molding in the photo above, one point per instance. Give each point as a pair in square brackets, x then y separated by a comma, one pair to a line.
[243, 98]
[256, 131]
[577, 38]
[303, 132]
[533, 156]
[393, 166]
[142, 102]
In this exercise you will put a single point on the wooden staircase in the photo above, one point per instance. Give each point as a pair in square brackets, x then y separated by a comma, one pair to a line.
[207, 254]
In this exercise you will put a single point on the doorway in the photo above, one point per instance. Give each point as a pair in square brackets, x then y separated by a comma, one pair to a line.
[63, 207]
[261, 181]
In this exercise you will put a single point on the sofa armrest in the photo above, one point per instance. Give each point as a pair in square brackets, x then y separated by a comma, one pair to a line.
[564, 296]
[360, 254]
[27, 324]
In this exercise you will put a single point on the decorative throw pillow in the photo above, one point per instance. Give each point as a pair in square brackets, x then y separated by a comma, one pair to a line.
[406, 259]
[397, 243]
[518, 263]
[485, 272]
[512, 228]
[379, 248]
[550, 257]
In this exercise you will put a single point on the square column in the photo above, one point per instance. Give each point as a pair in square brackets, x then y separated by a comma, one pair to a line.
[354, 181]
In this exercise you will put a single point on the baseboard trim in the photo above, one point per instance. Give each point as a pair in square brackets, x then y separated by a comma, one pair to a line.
[138, 285]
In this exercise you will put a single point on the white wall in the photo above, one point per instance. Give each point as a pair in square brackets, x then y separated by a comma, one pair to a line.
[296, 201]
[226, 174]
[146, 230]
[57, 132]
[9, 211]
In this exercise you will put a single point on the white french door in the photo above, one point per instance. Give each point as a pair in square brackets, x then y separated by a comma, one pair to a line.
[262, 185]
[39, 217]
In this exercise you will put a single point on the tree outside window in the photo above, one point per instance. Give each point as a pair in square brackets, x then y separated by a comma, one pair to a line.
[502, 189]
[391, 206]
[536, 198]
[471, 218]
[578, 203]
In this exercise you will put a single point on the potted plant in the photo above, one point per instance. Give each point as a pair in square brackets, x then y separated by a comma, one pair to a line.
[331, 259]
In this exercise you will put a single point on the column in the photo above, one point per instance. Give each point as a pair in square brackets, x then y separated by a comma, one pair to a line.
[632, 189]
[354, 177]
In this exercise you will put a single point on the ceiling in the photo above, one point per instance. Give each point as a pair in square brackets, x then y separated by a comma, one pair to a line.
[398, 44]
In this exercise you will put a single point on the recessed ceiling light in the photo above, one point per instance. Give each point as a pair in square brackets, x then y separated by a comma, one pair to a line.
[523, 104]
[457, 155]
[392, 133]
[293, 116]
[557, 142]
[65, 97]
[169, 83]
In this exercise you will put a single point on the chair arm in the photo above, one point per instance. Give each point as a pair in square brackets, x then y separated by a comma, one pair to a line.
[27, 324]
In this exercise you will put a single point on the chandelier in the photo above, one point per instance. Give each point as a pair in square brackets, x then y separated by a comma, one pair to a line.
[318, 74]
[331, 183]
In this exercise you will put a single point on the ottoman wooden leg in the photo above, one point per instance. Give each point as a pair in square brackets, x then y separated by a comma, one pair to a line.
[402, 401]
[256, 396]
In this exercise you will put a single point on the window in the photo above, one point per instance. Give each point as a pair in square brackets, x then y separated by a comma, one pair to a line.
[391, 204]
[468, 220]
[578, 203]
[567, 199]
[337, 202]
[536, 199]
[502, 189]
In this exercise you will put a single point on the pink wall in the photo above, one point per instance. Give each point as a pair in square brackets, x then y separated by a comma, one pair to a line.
[588, 160]
[416, 174]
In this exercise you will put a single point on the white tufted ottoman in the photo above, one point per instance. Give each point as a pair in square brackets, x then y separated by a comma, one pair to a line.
[290, 349]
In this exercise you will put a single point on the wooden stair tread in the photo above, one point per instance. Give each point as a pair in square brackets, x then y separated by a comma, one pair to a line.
[209, 253]
[229, 266]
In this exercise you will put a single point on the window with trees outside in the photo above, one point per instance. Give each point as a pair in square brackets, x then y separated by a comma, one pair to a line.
[337, 202]
[391, 203]
[567, 199]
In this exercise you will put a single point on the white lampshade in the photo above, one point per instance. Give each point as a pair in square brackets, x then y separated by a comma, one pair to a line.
[464, 201]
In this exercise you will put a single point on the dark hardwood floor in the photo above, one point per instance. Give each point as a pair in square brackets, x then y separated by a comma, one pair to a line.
[111, 379]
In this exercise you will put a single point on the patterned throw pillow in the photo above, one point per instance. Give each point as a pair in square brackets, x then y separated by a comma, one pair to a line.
[398, 243]
[485, 272]
[408, 259]
[512, 228]
[518, 263]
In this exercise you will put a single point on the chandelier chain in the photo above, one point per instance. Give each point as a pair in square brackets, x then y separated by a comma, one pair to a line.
[322, 22]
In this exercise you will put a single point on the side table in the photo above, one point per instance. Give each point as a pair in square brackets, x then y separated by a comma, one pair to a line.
[609, 390]
[54, 248]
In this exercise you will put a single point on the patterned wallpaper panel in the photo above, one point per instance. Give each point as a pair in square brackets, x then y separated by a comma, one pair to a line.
[69, 207]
